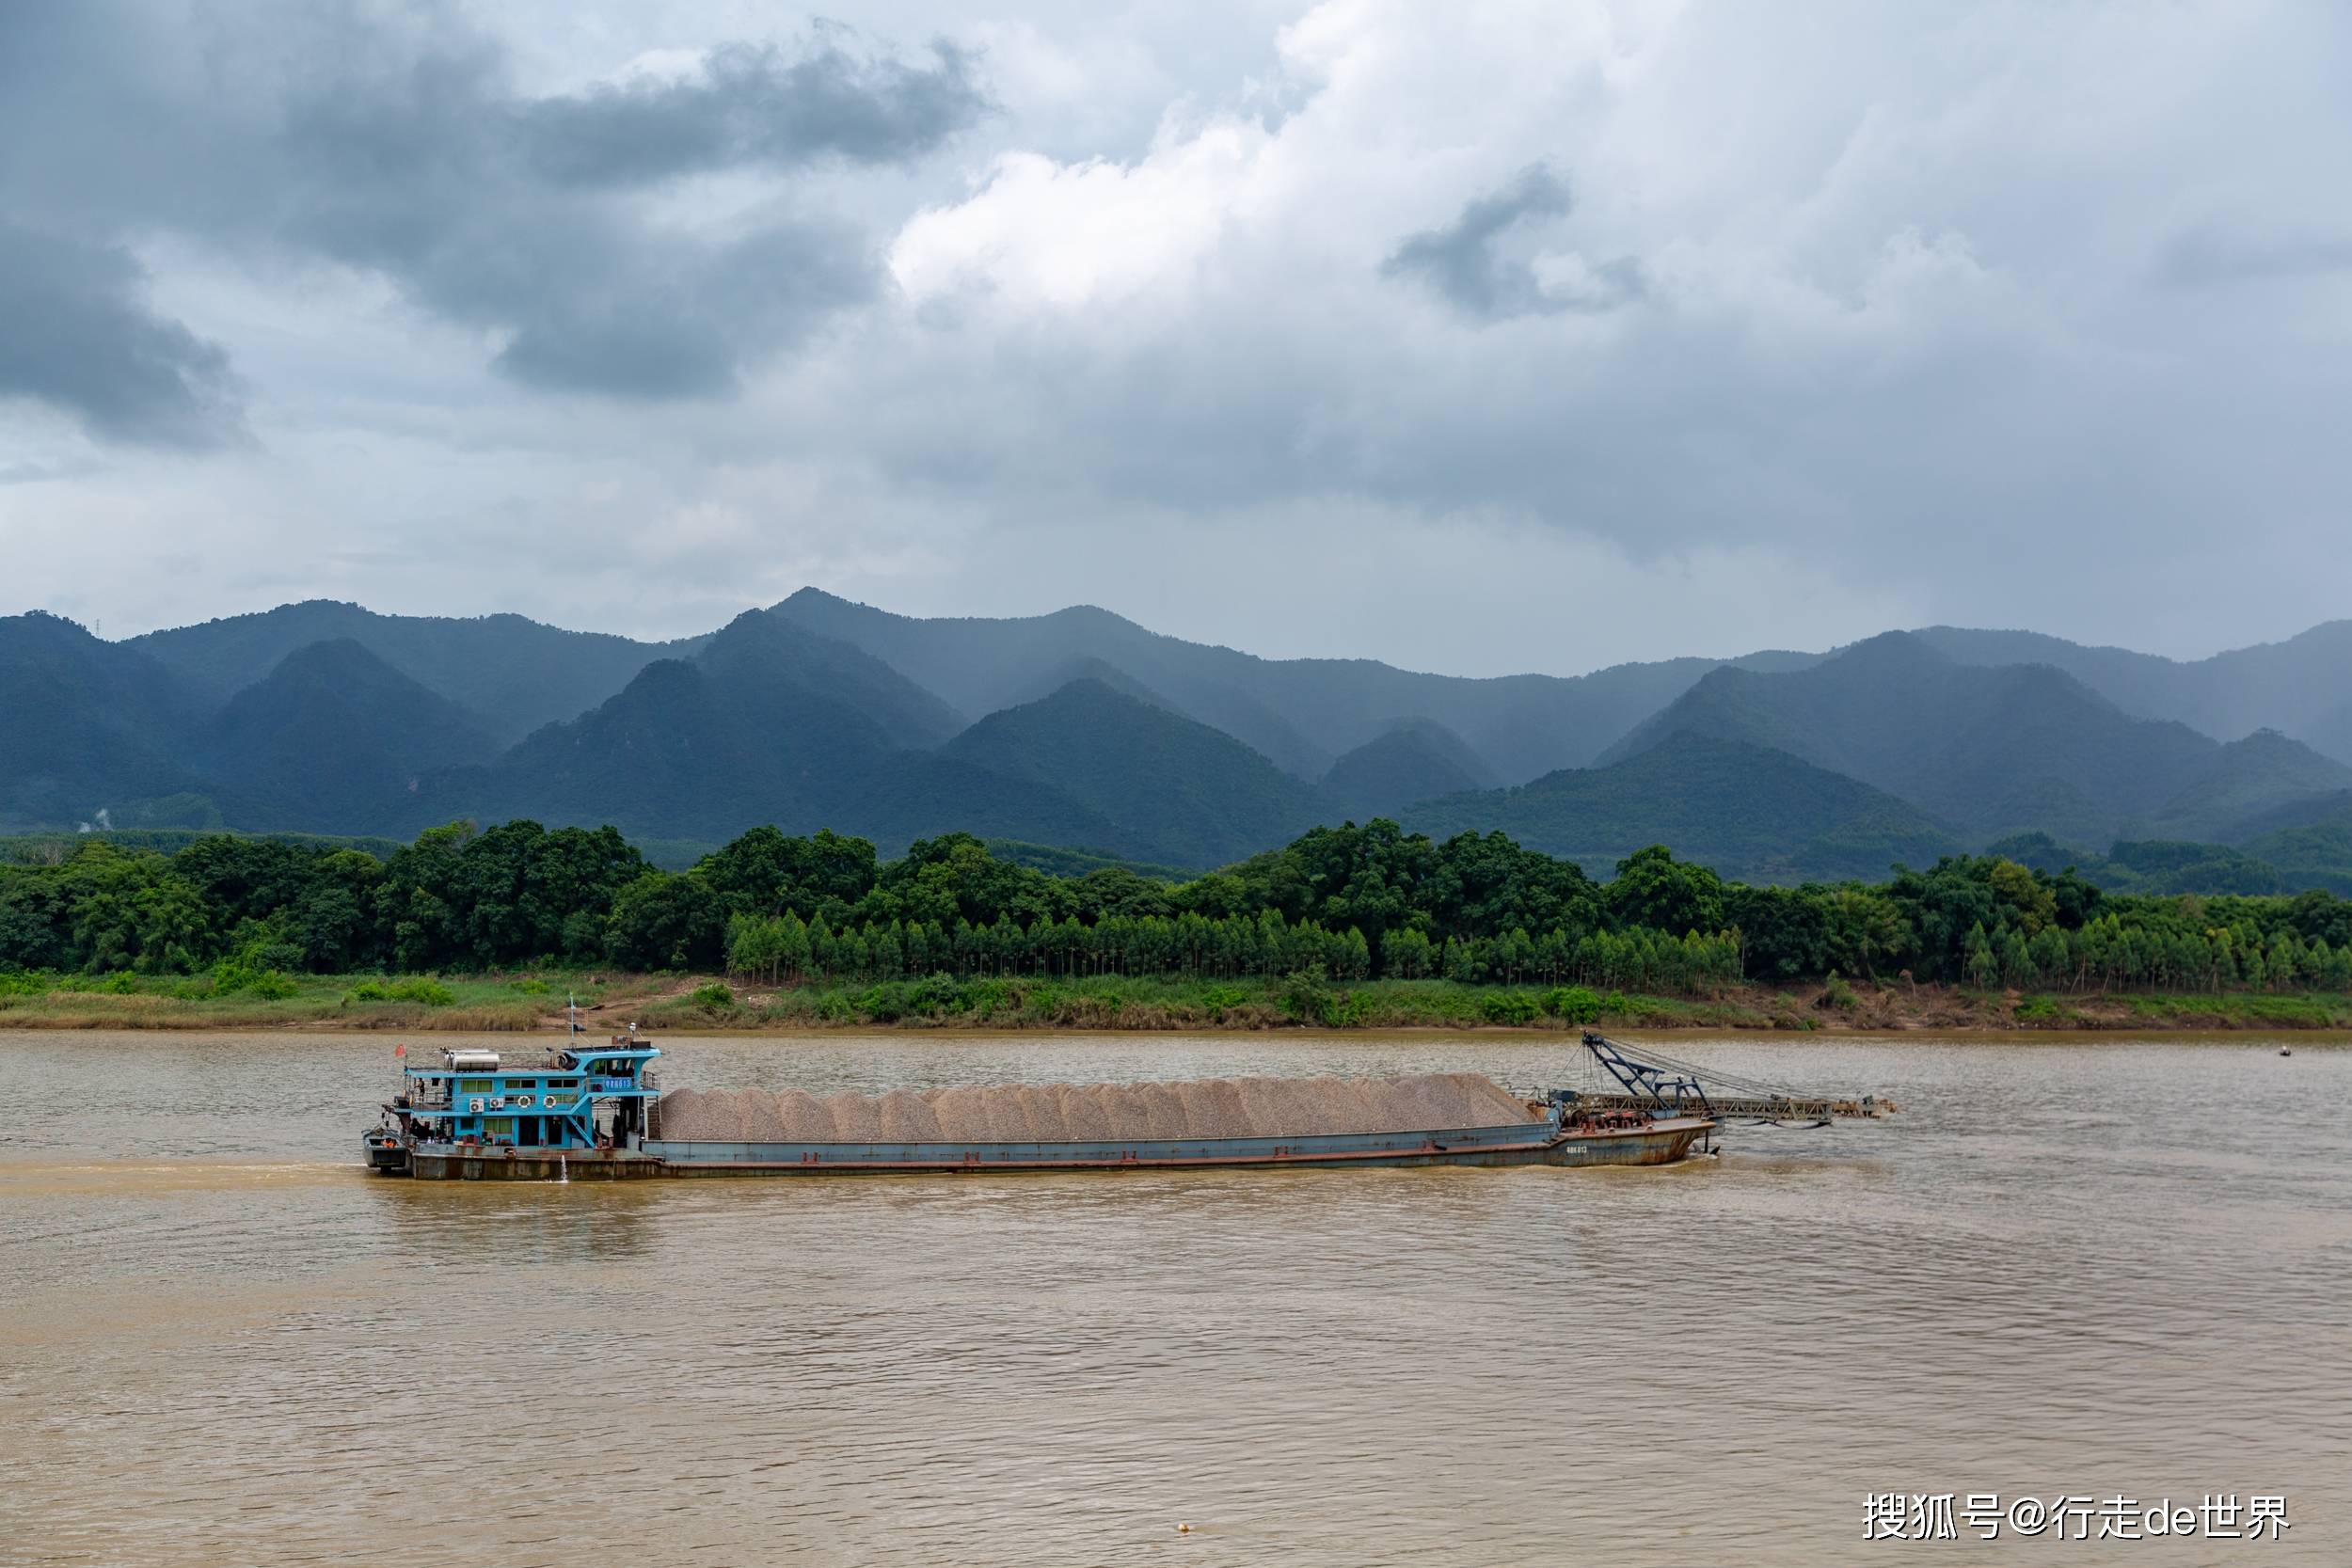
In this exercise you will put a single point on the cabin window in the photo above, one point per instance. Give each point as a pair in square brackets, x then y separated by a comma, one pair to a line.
[473, 1086]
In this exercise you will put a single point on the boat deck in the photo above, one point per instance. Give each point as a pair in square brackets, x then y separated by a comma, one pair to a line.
[1516, 1142]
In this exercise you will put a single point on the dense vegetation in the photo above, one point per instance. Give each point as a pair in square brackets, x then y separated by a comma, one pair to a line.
[1345, 904]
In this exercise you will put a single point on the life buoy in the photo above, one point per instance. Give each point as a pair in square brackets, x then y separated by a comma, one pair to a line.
[524, 1100]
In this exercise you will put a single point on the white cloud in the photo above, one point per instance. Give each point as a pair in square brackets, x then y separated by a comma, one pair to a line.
[1092, 232]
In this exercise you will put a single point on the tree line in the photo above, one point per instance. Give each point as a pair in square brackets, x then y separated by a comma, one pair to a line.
[1354, 902]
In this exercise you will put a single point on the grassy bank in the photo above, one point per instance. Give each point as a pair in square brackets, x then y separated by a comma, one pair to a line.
[528, 1001]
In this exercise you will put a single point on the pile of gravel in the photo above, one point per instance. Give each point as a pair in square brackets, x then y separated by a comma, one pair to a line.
[1086, 1112]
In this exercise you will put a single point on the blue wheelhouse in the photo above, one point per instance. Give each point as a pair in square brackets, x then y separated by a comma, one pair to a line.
[577, 1097]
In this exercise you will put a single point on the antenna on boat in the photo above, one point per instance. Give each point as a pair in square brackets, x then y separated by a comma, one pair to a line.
[571, 999]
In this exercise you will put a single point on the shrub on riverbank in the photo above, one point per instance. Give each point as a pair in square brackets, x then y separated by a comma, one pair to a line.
[512, 1001]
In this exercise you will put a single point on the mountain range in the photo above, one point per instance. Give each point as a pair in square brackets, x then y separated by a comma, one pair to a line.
[1996, 749]
[1085, 730]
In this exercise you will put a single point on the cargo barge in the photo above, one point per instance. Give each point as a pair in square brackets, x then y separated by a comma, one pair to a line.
[597, 1113]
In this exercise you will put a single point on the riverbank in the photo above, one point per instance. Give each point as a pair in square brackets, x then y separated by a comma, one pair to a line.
[535, 1002]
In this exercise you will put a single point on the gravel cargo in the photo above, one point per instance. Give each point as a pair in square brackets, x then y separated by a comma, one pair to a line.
[1063, 1113]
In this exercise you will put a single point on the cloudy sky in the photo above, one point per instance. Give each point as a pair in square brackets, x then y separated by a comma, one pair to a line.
[1478, 338]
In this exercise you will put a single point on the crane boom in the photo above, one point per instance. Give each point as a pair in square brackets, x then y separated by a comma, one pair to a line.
[1657, 1084]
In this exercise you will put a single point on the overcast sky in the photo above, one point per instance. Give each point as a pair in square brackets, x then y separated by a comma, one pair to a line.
[1475, 338]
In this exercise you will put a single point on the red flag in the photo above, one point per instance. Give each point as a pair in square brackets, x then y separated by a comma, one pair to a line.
[400, 1049]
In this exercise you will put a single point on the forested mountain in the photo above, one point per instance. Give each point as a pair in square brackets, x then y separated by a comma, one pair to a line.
[83, 723]
[1747, 810]
[515, 675]
[331, 740]
[2317, 810]
[759, 651]
[2315, 850]
[767, 723]
[1418, 760]
[1051, 680]
[1082, 731]
[2246, 782]
[1303, 713]
[1196, 796]
[2296, 687]
[1992, 749]
[982, 666]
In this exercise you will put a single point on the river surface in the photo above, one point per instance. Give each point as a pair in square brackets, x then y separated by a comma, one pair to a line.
[2091, 1269]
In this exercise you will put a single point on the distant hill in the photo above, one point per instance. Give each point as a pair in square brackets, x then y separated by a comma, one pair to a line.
[760, 651]
[1082, 731]
[1990, 749]
[1747, 810]
[515, 675]
[766, 724]
[2316, 810]
[2316, 852]
[2162, 867]
[332, 739]
[1302, 713]
[87, 725]
[1193, 794]
[1082, 862]
[49, 848]
[675, 752]
[1086, 668]
[2295, 687]
[2264, 773]
[1418, 760]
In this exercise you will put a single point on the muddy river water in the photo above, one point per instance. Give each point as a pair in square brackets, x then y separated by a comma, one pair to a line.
[2098, 1269]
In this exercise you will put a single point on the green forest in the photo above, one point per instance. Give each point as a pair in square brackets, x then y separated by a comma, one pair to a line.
[1337, 904]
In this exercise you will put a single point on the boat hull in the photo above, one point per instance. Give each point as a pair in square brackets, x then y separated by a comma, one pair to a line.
[1655, 1143]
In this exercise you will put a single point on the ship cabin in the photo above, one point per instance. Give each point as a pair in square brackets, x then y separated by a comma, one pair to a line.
[580, 1096]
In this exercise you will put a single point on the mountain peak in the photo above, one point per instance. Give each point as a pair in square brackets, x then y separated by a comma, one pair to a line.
[330, 738]
[1200, 796]
[1752, 812]
[761, 648]
[807, 596]
[1412, 760]
[331, 657]
[1898, 649]
[1092, 691]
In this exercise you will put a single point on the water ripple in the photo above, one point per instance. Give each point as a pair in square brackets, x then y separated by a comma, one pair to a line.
[2071, 1268]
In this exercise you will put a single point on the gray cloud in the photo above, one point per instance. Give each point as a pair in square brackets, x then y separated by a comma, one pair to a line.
[408, 151]
[673, 321]
[1465, 261]
[511, 214]
[1901, 332]
[77, 333]
[753, 105]
[2209, 256]
[413, 176]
